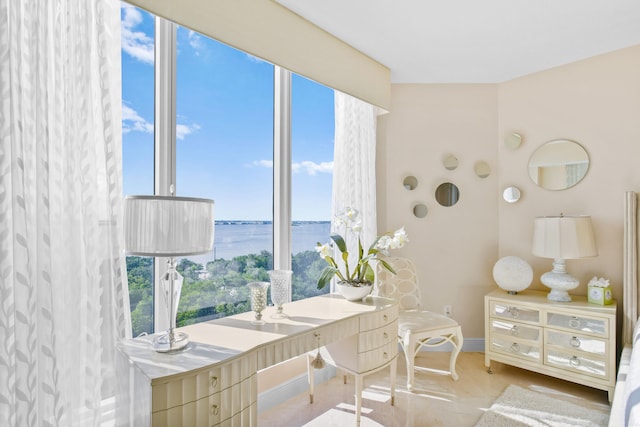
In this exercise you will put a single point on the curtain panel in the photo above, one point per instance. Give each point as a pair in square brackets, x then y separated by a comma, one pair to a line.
[354, 168]
[63, 294]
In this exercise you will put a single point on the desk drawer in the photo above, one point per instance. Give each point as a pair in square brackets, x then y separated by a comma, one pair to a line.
[514, 329]
[211, 410]
[196, 386]
[378, 318]
[378, 337]
[577, 362]
[377, 357]
[577, 343]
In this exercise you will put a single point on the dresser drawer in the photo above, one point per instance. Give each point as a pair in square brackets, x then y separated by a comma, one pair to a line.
[378, 318]
[577, 362]
[378, 337]
[575, 342]
[514, 312]
[518, 348]
[512, 329]
[598, 326]
[377, 357]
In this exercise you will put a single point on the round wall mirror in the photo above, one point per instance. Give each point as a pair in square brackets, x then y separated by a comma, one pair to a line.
[450, 162]
[410, 182]
[513, 140]
[447, 194]
[482, 169]
[420, 210]
[558, 164]
[511, 194]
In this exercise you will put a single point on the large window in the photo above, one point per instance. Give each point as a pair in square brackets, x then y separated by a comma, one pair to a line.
[224, 150]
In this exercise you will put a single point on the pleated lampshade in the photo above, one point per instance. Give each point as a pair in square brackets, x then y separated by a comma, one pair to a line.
[564, 237]
[168, 226]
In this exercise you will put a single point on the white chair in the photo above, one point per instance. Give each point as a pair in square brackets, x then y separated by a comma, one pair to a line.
[416, 328]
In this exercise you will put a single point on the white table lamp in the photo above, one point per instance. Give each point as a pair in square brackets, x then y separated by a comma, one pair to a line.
[562, 237]
[168, 226]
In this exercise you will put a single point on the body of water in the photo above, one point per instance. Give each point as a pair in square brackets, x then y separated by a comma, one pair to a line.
[234, 238]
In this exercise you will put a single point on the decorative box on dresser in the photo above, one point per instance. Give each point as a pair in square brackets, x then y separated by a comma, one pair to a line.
[574, 341]
[214, 381]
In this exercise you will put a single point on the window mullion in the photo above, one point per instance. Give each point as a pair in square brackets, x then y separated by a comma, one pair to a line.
[282, 169]
[165, 139]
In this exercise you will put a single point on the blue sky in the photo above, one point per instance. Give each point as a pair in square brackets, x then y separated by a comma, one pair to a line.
[224, 126]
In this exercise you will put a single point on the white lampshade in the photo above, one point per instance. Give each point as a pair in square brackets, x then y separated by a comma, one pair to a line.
[564, 237]
[168, 226]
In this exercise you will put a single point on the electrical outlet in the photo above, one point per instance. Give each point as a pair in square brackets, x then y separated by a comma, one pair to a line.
[447, 310]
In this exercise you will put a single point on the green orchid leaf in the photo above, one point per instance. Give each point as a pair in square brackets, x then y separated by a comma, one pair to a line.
[342, 245]
[326, 276]
[387, 266]
[369, 274]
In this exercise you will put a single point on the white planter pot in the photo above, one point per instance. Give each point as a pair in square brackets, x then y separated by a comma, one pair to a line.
[353, 293]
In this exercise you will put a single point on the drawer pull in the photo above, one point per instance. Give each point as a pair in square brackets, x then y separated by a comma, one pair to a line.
[514, 330]
[385, 355]
[575, 342]
[385, 317]
[574, 361]
[514, 312]
[215, 410]
[213, 382]
[385, 335]
[515, 347]
[574, 322]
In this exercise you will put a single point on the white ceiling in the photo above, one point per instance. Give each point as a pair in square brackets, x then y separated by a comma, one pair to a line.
[475, 41]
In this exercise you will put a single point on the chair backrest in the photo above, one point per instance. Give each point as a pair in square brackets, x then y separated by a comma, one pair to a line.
[402, 286]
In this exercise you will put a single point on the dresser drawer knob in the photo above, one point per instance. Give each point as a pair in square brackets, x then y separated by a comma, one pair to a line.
[385, 317]
[385, 335]
[215, 410]
[213, 382]
[575, 342]
[514, 330]
[574, 361]
[574, 322]
[514, 312]
[385, 355]
[515, 347]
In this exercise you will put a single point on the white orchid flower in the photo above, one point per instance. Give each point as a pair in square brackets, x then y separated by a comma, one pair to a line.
[324, 250]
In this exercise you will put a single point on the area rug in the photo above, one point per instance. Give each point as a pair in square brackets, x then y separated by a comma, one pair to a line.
[518, 407]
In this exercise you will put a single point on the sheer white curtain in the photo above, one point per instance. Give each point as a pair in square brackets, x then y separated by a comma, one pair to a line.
[63, 297]
[354, 165]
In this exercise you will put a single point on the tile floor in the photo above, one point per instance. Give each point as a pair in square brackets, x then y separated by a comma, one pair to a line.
[437, 400]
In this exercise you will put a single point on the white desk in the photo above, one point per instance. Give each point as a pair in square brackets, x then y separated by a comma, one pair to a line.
[213, 382]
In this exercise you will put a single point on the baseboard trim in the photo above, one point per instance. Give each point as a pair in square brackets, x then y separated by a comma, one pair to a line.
[288, 389]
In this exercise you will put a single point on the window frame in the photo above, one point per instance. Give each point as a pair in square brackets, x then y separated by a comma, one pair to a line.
[165, 152]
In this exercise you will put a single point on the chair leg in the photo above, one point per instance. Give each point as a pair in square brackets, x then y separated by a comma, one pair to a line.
[409, 356]
[458, 340]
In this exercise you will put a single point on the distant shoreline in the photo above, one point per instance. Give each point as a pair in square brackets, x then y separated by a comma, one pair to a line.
[245, 221]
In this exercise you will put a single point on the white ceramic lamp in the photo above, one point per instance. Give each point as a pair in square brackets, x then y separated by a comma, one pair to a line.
[513, 274]
[167, 226]
[562, 237]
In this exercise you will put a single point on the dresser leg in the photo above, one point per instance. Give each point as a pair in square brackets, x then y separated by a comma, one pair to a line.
[393, 369]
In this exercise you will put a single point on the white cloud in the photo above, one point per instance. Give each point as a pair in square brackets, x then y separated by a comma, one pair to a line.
[133, 122]
[312, 168]
[263, 163]
[195, 40]
[184, 130]
[135, 43]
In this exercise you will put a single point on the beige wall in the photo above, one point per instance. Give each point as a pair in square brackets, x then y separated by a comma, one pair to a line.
[452, 245]
[595, 102]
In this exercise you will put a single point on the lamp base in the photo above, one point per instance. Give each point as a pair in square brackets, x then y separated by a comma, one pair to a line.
[170, 342]
[559, 281]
